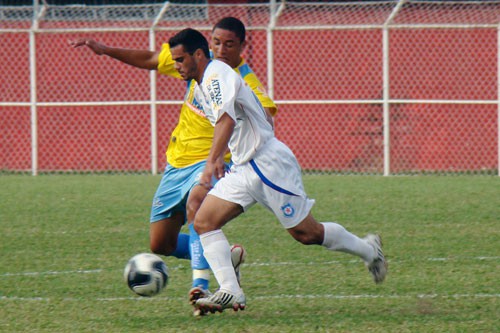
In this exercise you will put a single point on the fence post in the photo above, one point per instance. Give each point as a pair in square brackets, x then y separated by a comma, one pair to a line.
[386, 86]
[273, 13]
[152, 107]
[386, 96]
[33, 110]
[152, 82]
[270, 51]
[498, 97]
[37, 13]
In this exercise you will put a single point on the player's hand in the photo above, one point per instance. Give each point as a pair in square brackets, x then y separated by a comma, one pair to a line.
[96, 47]
[206, 178]
[215, 169]
[219, 168]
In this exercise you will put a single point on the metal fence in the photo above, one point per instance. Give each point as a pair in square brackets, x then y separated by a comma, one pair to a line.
[389, 87]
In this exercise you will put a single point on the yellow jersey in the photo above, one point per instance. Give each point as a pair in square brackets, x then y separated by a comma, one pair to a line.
[191, 140]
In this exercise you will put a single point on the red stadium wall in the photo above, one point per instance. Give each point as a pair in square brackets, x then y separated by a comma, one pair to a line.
[339, 137]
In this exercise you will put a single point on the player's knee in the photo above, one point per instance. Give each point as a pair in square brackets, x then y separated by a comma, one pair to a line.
[306, 236]
[200, 225]
[192, 207]
[163, 248]
[194, 201]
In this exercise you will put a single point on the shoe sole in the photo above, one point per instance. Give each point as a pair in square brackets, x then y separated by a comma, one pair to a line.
[238, 306]
[195, 295]
[386, 266]
[220, 302]
[241, 257]
[199, 313]
[218, 308]
[237, 260]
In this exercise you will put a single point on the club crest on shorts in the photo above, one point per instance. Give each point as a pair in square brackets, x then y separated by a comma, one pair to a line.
[157, 203]
[288, 210]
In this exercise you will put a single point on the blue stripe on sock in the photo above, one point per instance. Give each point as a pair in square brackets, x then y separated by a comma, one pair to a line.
[202, 283]
[198, 260]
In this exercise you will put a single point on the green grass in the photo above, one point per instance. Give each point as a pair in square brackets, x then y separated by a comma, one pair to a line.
[64, 241]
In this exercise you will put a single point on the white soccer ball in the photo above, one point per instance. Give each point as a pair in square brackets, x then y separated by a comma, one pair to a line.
[146, 274]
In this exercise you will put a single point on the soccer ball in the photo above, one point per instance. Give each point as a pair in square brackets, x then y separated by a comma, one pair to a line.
[146, 274]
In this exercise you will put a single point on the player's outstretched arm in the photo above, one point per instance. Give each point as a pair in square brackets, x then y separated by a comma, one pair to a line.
[138, 58]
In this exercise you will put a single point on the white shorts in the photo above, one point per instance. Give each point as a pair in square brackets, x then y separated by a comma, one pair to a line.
[272, 178]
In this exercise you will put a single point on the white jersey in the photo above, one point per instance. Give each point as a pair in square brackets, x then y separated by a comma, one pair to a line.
[221, 91]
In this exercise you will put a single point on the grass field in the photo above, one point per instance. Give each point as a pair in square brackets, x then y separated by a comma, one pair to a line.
[64, 241]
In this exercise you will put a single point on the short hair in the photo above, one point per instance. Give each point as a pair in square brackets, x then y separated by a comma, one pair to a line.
[232, 24]
[192, 40]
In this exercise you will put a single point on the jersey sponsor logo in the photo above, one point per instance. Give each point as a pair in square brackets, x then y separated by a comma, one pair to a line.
[197, 105]
[215, 92]
[288, 210]
[196, 108]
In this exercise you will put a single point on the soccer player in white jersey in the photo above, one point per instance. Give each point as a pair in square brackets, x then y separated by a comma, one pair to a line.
[256, 175]
[178, 196]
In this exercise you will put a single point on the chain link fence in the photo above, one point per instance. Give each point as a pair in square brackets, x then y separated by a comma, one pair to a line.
[383, 88]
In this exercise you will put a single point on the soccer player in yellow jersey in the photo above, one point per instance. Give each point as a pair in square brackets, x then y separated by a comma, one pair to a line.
[178, 198]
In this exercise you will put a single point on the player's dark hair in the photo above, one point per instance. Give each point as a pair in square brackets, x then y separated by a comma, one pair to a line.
[192, 40]
[232, 24]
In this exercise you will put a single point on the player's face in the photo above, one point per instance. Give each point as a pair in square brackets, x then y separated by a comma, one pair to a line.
[185, 63]
[226, 47]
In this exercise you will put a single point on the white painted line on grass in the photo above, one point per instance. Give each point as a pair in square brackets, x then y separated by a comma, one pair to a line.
[53, 273]
[266, 297]
[251, 264]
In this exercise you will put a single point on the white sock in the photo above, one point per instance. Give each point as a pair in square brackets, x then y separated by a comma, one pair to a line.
[218, 254]
[337, 238]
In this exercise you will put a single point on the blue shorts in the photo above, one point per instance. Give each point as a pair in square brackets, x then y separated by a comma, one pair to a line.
[172, 193]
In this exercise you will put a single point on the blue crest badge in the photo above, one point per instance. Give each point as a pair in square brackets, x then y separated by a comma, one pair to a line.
[288, 210]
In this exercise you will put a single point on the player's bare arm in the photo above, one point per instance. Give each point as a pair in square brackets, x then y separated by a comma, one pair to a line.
[215, 161]
[138, 58]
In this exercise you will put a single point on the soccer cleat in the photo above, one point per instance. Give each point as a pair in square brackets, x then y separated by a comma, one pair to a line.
[378, 267]
[220, 301]
[198, 313]
[238, 256]
[195, 294]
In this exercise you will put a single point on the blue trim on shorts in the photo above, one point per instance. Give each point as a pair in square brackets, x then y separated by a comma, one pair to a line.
[268, 182]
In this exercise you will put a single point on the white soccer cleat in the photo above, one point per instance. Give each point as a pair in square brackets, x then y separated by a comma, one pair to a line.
[195, 294]
[378, 267]
[220, 301]
[238, 256]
